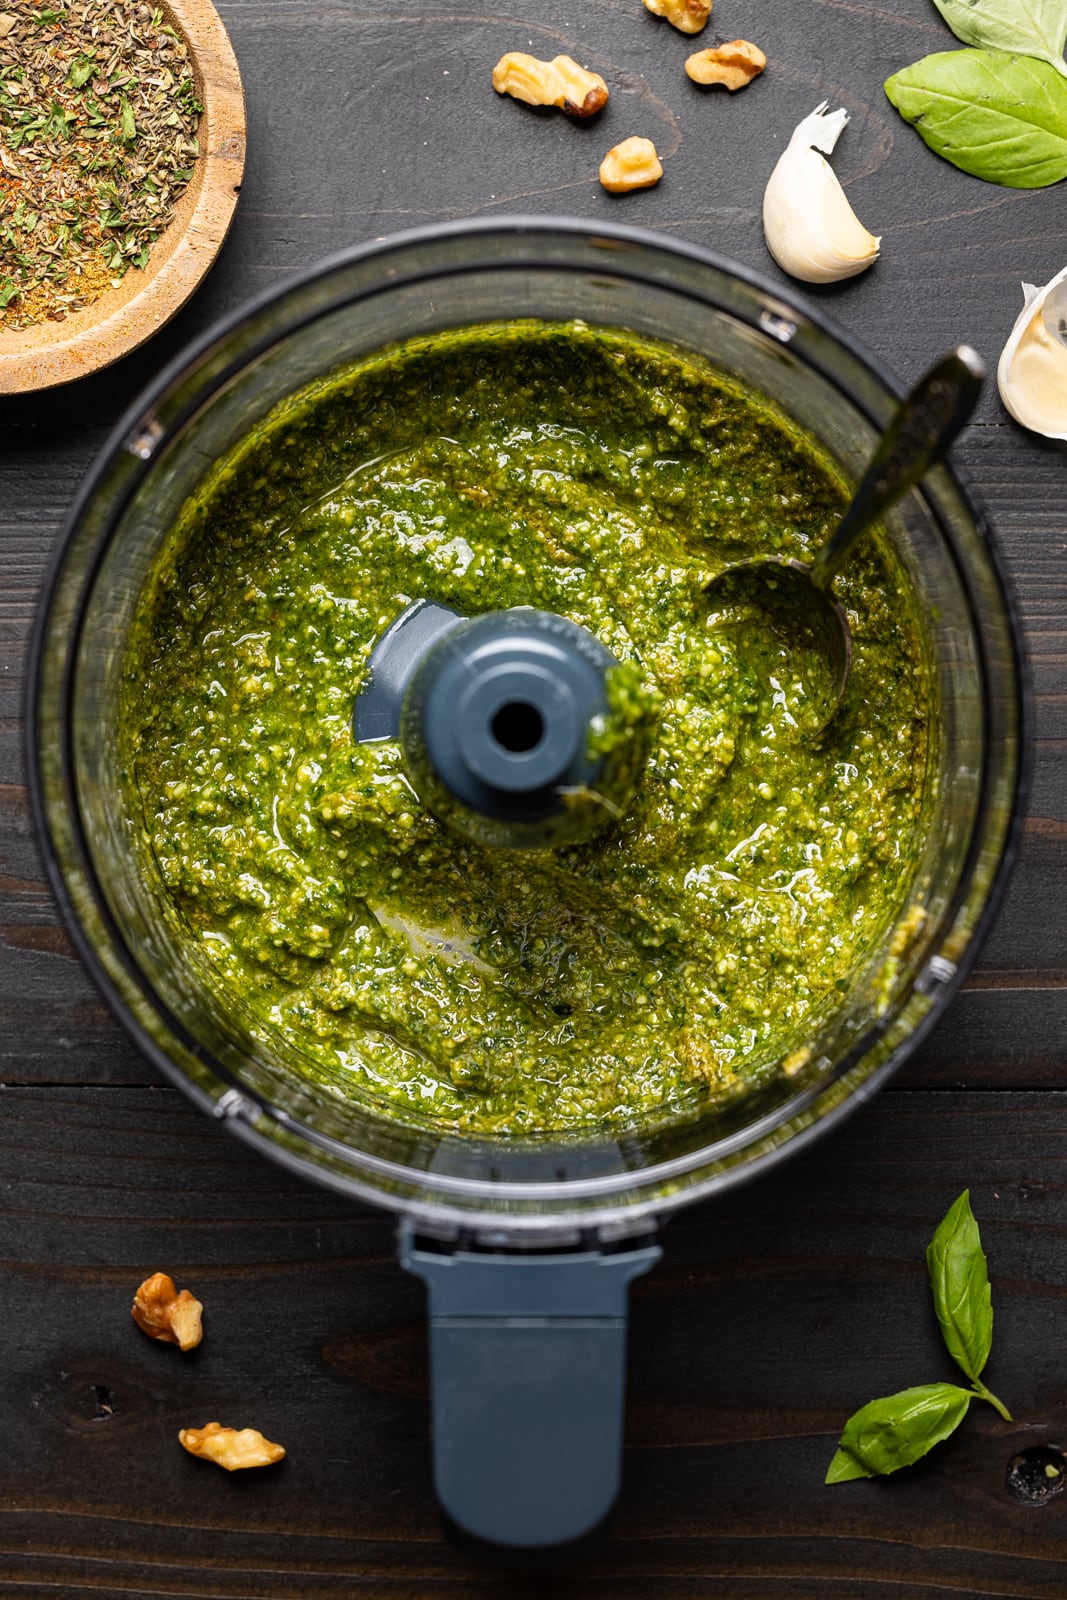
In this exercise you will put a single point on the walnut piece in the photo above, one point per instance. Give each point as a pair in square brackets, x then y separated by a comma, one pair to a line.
[232, 1448]
[633, 164]
[733, 65]
[560, 82]
[687, 15]
[161, 1312]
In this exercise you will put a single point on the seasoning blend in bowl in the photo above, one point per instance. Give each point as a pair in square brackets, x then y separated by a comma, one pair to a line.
[530, 1055]
[121, 154]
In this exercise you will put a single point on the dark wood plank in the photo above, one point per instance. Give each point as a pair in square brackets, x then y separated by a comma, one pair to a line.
[777, 1310]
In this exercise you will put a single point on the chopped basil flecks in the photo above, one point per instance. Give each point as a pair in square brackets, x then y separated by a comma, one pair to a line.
[687, 952]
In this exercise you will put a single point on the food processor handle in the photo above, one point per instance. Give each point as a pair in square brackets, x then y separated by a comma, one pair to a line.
[527, 1370]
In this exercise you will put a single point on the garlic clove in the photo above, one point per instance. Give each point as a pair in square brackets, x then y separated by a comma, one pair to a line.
[810, 227]
[1032, 372]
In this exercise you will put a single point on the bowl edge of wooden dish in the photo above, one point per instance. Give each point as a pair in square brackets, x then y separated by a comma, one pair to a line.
[53, 353]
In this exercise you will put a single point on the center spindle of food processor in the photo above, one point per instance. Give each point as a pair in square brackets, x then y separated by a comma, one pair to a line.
[501, 719]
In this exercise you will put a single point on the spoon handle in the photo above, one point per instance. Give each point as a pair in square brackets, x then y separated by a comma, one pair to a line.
[925, 425]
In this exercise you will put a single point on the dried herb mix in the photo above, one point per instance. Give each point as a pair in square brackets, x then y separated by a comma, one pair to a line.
[98, 124]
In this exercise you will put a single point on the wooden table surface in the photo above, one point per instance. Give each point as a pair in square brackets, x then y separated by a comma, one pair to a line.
[777, 1310]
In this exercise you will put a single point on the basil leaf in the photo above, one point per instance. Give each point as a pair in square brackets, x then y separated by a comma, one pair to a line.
[1000, 117]
[960, 1281]
[888, 1434]
[1031, 27]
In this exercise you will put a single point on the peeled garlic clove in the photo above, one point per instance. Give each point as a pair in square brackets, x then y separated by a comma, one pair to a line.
[811, 230]
[1032, 373]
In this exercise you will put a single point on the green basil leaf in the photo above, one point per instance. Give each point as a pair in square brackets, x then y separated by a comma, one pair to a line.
[888, 1434]
[1032, 27]
[129, 124]
[843, 1467]
[959, 1279]
[1000, 117]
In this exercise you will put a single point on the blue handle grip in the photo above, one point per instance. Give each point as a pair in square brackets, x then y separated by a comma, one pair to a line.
[527, 1368]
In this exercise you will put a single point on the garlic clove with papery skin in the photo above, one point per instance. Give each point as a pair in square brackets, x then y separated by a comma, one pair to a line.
[810, 227]
[1032, 372]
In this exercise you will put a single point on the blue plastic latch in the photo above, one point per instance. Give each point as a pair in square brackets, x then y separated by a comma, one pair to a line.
[527, 1366]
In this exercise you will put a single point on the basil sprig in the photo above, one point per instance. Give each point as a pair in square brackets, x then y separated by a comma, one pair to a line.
[963, 1300]
[894, 1432]
[998, 111]
[998, 117]
[959, 1279]
[1029, 27]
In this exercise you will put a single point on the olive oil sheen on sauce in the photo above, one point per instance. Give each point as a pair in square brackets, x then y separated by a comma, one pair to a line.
[690, 948]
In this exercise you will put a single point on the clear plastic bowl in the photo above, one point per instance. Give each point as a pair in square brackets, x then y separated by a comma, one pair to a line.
[534, 1191]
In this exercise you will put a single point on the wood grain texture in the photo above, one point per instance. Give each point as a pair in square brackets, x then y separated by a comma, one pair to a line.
[774, 1313]
[778, 1309]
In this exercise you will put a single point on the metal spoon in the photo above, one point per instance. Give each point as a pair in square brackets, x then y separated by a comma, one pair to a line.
[796, 596]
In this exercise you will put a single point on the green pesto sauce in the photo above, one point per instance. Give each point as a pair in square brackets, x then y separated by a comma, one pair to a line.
[687, 950]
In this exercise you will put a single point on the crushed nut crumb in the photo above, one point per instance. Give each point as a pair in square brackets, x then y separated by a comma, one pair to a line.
[231, 1448]
[161, 1312]
[560, 82]
[689, 16]
[733, 65]
[796, 1061]
[633, 164]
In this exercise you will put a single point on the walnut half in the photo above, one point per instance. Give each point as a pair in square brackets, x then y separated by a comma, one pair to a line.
[560, 82]
[689, 16]
[733, 65]
[633, 164]
[161, 1312]
[231, 1448]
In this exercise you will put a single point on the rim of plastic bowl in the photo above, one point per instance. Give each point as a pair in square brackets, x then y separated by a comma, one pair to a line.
[439, 1201]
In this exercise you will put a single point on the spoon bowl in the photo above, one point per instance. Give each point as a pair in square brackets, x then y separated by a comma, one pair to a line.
[809, 624]
[794, 599]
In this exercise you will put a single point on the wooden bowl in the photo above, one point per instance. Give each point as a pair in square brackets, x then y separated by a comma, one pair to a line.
[122, 318]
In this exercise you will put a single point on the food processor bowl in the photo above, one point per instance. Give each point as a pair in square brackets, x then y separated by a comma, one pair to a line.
[527, 1244]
